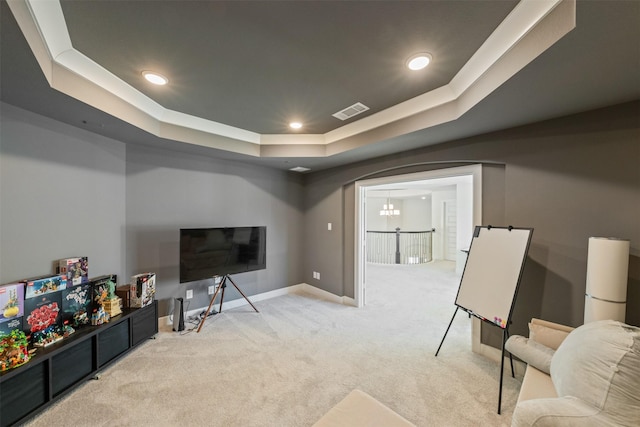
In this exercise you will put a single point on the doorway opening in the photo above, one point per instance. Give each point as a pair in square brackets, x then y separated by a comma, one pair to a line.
[456, 206]
[455, 196]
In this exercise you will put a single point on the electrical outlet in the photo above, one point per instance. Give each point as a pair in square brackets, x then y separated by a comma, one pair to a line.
[318, 275]
[189, 293]
[212, 290]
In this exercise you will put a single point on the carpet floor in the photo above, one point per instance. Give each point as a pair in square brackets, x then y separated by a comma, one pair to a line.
[298, 357]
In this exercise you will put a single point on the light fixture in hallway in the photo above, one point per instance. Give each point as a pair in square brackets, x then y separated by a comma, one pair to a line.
[388, 210]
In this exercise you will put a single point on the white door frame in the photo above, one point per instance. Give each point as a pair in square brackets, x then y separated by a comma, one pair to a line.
[445, 233]
[475, 171]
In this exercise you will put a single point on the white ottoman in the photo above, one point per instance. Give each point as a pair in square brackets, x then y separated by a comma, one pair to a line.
[359, 409]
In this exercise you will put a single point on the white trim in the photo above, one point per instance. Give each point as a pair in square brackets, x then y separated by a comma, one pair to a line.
[520, 21]
[301, 288]
[293, 139]
[359, 243]
[305, 288]
[69, 71]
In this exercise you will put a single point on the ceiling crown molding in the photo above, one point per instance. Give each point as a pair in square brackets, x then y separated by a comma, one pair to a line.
[531, 28]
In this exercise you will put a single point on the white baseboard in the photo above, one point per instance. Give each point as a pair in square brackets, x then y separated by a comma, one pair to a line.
[301, 288]
[324, 295]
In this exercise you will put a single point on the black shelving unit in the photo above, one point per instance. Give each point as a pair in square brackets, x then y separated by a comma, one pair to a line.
[59, 368]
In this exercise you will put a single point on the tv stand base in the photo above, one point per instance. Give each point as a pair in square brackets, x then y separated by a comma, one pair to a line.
[222, 287]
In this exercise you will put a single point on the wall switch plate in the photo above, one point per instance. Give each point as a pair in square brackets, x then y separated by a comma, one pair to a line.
[217, 279]
[212, 290]
[329, 226]
[189, 293]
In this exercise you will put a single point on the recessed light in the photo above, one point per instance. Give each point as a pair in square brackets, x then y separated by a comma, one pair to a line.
[295, 125]
[418, 61]
[155, 78]
[300, 169]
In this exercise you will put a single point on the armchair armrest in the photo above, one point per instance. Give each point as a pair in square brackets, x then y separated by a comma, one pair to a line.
[529, 351]
[565, 411]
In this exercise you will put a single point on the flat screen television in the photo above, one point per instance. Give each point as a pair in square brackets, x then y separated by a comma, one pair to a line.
[209, 252]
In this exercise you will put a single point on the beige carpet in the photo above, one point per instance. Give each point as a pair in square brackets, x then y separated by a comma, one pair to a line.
[298, 357]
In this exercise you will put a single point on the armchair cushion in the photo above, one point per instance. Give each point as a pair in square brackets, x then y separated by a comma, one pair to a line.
[599, 363]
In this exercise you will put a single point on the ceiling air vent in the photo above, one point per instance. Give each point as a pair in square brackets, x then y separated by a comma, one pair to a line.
[351, 111]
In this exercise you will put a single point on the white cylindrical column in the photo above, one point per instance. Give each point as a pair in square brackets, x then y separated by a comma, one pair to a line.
[607, 276]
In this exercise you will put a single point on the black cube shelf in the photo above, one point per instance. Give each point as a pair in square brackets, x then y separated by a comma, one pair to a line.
[58, 369]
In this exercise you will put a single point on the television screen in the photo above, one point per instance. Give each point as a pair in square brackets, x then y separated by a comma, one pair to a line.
[209, 252]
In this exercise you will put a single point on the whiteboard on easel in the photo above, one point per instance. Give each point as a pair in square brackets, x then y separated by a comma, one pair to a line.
[492, 273]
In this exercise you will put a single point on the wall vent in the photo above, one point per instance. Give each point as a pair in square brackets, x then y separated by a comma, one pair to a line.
[351, 111]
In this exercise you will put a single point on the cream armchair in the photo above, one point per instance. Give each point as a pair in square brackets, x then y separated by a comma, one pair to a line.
[588, 376]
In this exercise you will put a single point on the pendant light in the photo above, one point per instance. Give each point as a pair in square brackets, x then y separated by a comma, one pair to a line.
[387, 209]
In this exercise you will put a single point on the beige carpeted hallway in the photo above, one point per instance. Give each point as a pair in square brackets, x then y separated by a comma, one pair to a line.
[290, 363]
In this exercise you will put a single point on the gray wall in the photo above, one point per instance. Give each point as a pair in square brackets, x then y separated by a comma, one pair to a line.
[67, 192]
[62, 193]
[168, 190]
[568, 178]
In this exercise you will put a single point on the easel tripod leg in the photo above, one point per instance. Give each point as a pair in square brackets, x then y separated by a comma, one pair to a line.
[447, 331]
[241, 293]
[206, 313]
[504, 338]
[223, 286]
[513, 372]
